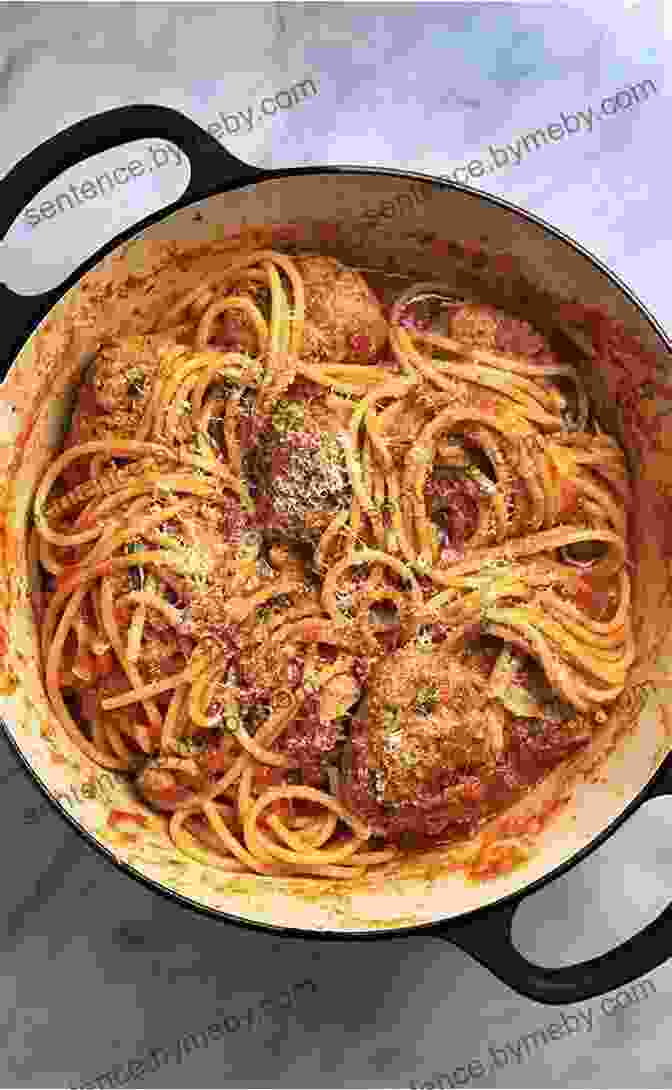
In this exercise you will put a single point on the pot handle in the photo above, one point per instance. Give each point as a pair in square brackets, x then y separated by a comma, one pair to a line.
[212, 166]
[487, 937]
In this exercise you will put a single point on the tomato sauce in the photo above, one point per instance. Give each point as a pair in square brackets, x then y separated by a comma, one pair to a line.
[455, 807]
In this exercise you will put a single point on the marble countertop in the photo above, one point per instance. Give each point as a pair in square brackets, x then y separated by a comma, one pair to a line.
[107, 984]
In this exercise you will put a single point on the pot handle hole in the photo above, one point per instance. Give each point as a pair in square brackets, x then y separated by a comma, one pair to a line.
[486, 935]
[211, 167]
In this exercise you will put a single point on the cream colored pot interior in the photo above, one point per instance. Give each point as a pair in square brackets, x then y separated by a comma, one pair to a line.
[406, 231]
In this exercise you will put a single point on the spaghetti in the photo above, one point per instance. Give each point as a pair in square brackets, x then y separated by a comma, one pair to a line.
[329, 584]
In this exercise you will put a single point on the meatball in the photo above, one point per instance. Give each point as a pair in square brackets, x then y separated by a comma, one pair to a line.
[298, 470]
[424, 720]
[114, 395]
[344, 320]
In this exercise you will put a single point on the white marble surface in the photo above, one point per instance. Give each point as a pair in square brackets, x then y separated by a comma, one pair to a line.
[98, 971]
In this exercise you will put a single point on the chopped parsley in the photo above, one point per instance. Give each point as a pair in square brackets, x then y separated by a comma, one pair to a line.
[311, 681]
[391, 717]
[202, 444]
[426, 699]
[136, 575]
[186, 745]
[344, 601]
[424, 641]
[484, 483]
[167, 539]
[519, 701]
[288, 416]
[136, 382]
[423, 455]
[230, 718]
[331, 451]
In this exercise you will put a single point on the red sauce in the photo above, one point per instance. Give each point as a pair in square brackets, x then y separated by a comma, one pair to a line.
[517, 337]
[454, 505]
[307, 740]
[454, 806]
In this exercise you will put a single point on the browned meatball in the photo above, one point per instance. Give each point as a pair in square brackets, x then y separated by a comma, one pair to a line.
[344, 320]
[299, 470]
[423, 720]
[114, 395]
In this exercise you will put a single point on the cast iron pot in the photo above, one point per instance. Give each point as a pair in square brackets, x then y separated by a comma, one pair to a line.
[397, 222]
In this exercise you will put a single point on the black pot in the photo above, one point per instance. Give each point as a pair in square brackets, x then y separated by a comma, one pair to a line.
[223, 189]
